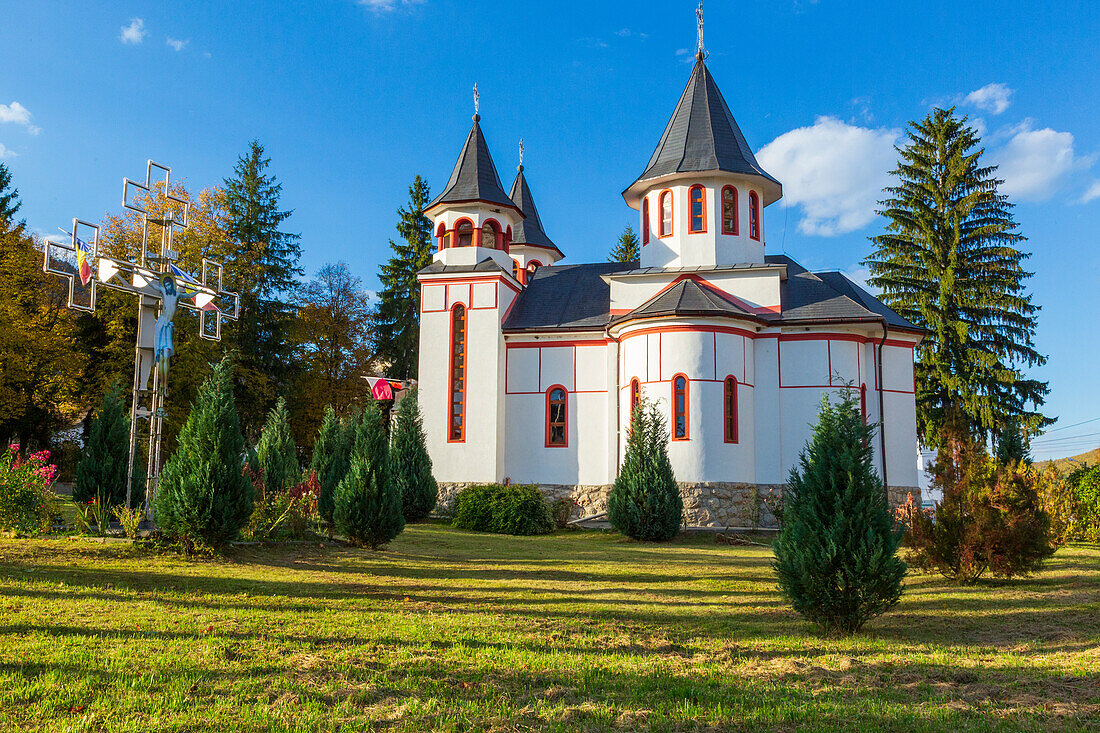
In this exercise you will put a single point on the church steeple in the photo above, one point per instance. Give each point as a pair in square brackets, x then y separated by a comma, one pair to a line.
[474, 177]
[529, 232]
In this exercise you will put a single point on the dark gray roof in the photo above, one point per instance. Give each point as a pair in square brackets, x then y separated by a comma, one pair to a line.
[702, 135]
[437, 268]
[474, 177]
[688, 298]
[839, 281]
[564, 297]
[529, 231]
[699, 268]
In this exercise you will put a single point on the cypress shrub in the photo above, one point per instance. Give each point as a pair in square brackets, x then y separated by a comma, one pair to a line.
[412, 467]
[203, 497]
[516, 509]
[367, 502]
[331, 455]
[101, 473]
[645, 502]
[836, 554]
[277, 454]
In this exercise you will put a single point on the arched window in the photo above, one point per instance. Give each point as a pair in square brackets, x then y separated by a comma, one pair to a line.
[635, 394]
[456, 430]
[729, 210]
[515, 269]
[645, 221]
[666, 214]
[863, 401]
[557, 417]
[531, 267]
[489, 235]
[730, 405]
[508, 239]
[441, 233]
[754, 215]
[680, 407]
[697, 201]
[464, 233]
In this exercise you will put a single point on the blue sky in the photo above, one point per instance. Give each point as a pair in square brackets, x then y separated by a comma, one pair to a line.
[352, 99]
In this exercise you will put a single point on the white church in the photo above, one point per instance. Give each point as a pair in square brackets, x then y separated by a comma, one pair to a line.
[529, 368]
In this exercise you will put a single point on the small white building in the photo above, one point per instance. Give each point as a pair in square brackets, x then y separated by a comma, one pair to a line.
[529, 368]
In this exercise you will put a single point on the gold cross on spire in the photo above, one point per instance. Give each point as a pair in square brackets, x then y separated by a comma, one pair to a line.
[700, 50]
[477, 100]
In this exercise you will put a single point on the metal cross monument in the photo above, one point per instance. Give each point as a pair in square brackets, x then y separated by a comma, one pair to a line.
[160, 287]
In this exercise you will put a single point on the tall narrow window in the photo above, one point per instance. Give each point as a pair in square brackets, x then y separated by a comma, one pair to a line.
[457, 428]
[863, 401]
[754, 215]
[515, 270]
[666, 214]
[645, 221]
[730, 404]
[729, 210]
[680, 407]
[697, 197]
[489, 235]
[557, 417]
[441, 233]
[635, 394]
[464, 233]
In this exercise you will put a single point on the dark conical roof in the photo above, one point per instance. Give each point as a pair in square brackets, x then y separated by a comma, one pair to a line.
[703, 136]
[529, 231]
[474, 177]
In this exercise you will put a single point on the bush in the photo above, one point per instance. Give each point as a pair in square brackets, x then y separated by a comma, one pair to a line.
[203, 498]
[645, 502]
[989, 520]
[412, 467]
[27, 502]
[276, 453]
[367, 503]
[283, 514]
[101, 473]
[1084, 486]
[515, 509]
[331, 457]
[836, 554]
[562, 511]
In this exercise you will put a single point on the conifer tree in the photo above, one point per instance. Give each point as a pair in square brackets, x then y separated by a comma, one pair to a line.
[626, 250]
[9, 201]
[412, 466]
[331, 455]
[368, 503]
[397, 316]
[645, 502]
[948, 262]
[204, 498]
[277, 454]
[836, 554]
[263, 269]
[101, 473]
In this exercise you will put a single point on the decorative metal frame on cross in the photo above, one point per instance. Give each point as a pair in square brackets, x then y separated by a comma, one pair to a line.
[157, 281]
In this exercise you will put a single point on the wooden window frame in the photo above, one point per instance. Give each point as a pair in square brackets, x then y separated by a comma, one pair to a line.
[736, 213]
[635, 394]
[754, 216]
[461, 413]
[565, 422]
[473, 235]
[731, 408]
[687, 407]
[702, 209]
[661, 233]
[863, 401]
[441, 235]
[645, 221]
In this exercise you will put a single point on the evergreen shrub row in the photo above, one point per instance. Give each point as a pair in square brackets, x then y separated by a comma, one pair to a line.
[516, 509]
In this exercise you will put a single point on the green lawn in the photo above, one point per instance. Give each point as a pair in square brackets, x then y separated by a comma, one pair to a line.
[574, 631]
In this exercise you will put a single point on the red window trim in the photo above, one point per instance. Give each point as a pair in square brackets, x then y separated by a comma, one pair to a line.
[691, 215]
[736, 213]
[863, 401]
[754, 215]
[645, 221]
[635, 393]
[441, 234]
[730, 388]
[474, 233]
[687, 406]
[661, 233]
[451, 375]
[495, 226]
[550, 391]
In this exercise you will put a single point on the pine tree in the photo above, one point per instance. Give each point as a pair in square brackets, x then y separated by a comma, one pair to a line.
[645, 502]
[277, 454]
[263, 269]
[412, 466]
[626, 250]
[397, 316]
[203, 497]
[9, 201]
[331, 456]
[836, 554]
[368, 504]
[948, 263]
[101, 473]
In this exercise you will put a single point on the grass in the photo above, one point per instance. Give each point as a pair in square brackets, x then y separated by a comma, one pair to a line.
[448, 630]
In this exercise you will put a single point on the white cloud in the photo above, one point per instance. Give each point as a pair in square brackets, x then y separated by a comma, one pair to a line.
[1035, 163]
[385, 6]
[833, 170]
[177, 43]
[18, 114]
[5, 153]
[134, 33]
[992, 98]
[1092, 193]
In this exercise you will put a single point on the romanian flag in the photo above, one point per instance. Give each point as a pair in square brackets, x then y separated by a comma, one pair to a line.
[83, 253]
[192, 288]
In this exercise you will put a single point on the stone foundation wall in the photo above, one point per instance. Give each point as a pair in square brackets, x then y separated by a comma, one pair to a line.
[707, 504]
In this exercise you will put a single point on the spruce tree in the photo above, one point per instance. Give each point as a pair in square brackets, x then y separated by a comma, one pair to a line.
[412, 466]
[277, 454]
[9, 201]
[948, 263]
[396, 319]
[368, 503]
[101, 473]
[836, 554]
[626, 250]
[264, 270]
[203, 497]
[645, 502]
[331, 455]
